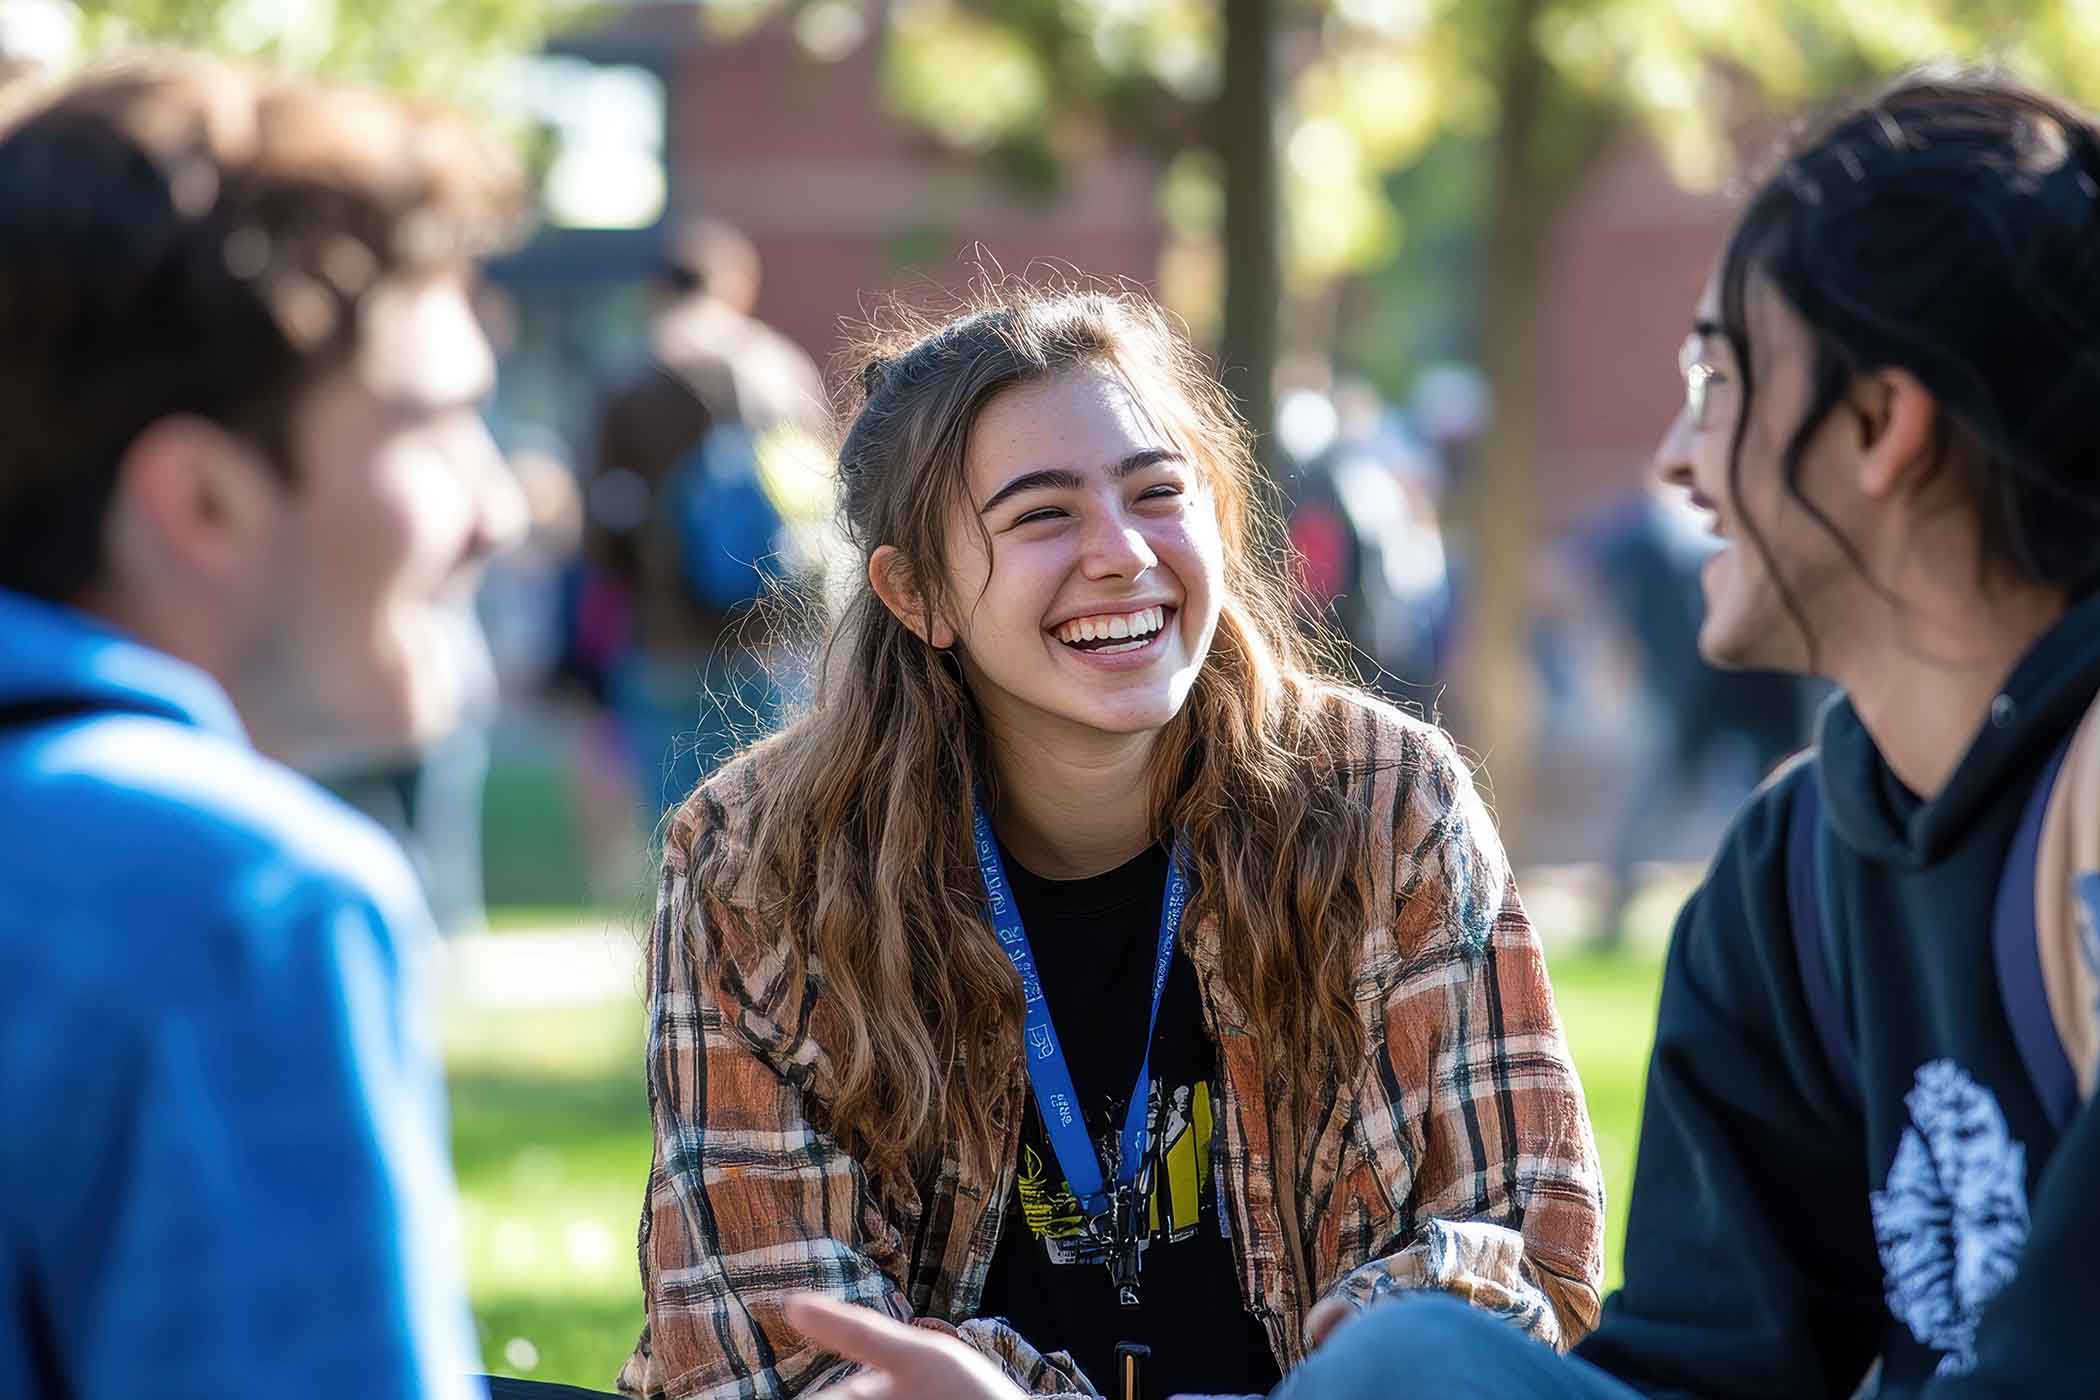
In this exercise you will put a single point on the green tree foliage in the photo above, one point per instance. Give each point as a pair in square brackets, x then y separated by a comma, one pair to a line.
[455, 48]
[1358, 93]
[1532, 89]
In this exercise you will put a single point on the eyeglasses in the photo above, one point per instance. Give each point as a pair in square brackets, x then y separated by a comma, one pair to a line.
[1699, 378]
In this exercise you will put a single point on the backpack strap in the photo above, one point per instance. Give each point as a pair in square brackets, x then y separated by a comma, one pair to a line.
[2015, 951]
[1814, 954]
[2046, 937]
[2045, 930]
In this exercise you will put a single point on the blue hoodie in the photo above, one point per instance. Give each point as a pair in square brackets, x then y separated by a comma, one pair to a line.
[222, 1136]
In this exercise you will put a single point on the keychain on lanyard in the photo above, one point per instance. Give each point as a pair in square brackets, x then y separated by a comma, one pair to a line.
[1117, 1213]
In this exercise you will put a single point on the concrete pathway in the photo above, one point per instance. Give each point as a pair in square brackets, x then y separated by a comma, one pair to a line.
[601, 962]
[583, 965]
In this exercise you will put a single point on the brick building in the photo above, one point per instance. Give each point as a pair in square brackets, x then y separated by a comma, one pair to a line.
[1630, 254]
[848, 204]
[845, 203]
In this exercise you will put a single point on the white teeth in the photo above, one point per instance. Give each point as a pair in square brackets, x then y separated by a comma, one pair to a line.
[1103, 626]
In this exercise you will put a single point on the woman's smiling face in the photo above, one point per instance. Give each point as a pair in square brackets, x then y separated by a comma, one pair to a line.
[1085, 567]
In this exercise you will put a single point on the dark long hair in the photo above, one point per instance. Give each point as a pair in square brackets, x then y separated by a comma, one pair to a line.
[1950, 227]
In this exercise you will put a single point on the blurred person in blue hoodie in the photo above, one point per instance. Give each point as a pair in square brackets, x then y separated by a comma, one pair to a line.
[242, 485]
[709, 486]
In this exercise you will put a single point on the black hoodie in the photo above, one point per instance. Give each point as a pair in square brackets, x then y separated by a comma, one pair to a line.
[1752, 1262]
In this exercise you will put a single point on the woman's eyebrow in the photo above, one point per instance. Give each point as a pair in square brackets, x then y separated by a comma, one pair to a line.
[1041, 479]
[1150, 457]
[1065, 479]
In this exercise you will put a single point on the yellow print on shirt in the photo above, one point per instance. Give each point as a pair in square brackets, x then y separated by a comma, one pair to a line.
[1184, 1161]
[1181, 1127]
[1052, 1212]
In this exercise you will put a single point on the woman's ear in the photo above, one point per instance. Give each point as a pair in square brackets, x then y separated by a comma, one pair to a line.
[890, 575]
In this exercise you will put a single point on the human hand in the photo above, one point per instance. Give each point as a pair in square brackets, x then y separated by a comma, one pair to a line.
[1327, 1315]
[904, 1362]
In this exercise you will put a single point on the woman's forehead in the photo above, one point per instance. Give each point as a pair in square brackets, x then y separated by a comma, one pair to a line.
[1079, 418]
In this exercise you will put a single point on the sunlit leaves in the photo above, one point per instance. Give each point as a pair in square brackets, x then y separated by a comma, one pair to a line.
[1891, 34]
[971, 82]
[452, 47]
[1172, 43]
[830, 30]
[1191, 199]
[2059, 44]
[1371, 84]
[729, 20]
[1336, 215]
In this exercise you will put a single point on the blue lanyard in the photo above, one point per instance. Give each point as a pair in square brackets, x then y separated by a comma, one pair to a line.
[1063, 1119]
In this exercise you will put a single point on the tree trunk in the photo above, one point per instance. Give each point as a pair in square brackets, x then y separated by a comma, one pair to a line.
[1500, 493]
[1245, 128]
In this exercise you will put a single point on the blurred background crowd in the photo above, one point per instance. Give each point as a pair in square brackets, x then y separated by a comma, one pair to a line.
[1443, 251]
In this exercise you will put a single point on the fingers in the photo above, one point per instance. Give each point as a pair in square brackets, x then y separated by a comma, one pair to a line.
[868, 1385]
[856, 1333]
[905, 1363]
[1327, 1314]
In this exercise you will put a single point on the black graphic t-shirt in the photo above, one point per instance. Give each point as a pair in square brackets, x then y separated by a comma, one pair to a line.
[1094, 942]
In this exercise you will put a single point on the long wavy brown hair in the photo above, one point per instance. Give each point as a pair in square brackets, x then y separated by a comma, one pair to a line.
[862, 823]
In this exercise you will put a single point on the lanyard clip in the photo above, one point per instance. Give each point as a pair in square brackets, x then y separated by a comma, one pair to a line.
[1123, 1267]
[1128, 1240]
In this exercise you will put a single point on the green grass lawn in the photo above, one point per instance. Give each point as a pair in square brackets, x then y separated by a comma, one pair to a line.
[550, 1128]
[1607, 1003]
[551, 1141]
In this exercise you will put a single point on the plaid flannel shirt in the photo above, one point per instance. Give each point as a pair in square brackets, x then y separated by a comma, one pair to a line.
[1458, 1157]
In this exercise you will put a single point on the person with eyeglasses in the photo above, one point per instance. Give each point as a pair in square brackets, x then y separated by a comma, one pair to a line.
[1866, 1146]
[1712, 733]
[1868, 1161]
[1701, 376]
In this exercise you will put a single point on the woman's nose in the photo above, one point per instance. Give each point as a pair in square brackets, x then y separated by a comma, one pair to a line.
[1116, 548]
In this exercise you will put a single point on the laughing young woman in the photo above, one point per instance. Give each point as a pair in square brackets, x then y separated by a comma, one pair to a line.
[1083, 968]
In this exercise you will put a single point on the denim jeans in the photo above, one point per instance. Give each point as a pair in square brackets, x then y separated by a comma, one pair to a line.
[1430, 1344]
